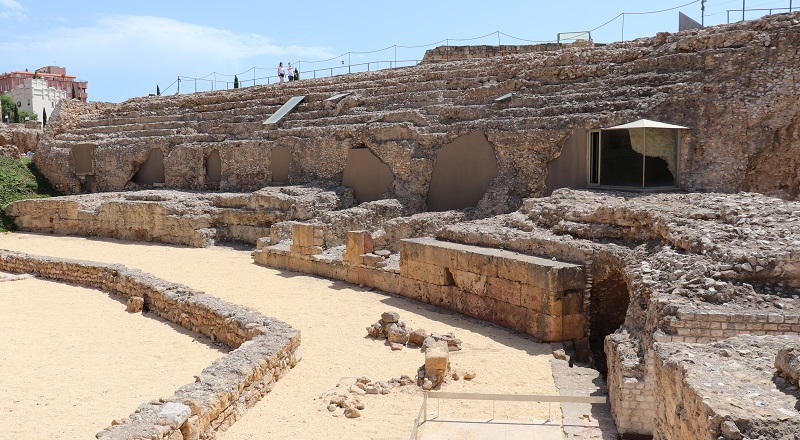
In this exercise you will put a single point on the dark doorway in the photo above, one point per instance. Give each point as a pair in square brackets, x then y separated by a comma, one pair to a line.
[152, 170]
[609, 305]
[620, 165]
[213, 166]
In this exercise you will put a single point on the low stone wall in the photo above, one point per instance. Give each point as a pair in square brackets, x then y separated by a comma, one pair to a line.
[706, 326]
[264, 349]
[725, 390]
[450, 53]
[541, 297]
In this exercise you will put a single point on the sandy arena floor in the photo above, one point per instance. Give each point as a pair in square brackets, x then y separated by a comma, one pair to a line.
[332, 317]
[72, 360]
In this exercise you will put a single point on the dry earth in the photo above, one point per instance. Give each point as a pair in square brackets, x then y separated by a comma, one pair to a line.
[332, 317]
[72, 360]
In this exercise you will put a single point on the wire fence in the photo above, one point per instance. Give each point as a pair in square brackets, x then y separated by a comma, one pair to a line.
[398, 55]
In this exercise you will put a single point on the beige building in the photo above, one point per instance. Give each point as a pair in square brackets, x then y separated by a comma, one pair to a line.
[35, 95]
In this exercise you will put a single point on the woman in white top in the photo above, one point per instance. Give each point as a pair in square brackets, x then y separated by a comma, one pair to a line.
[281, 72]
[290, 72]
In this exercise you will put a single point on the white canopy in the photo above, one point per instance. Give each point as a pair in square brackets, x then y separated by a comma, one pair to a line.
[646, 123]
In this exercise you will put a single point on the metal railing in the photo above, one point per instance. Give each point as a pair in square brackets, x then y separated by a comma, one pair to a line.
[769, 11]
[422, 415]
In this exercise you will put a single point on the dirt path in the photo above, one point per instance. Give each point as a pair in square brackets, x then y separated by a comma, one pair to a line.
[332, 317]
[72, 360]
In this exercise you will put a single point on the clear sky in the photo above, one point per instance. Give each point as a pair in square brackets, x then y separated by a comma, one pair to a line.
[125, 47]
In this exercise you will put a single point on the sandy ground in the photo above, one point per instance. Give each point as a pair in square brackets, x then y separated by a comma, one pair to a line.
[72, 360]
[332, 317]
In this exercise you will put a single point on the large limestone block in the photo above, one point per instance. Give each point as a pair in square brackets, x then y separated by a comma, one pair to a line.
[428, 273]
[437, 359]
[307, 234]
[357, 244]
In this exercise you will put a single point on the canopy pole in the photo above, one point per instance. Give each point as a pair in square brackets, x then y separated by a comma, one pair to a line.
[644, 156]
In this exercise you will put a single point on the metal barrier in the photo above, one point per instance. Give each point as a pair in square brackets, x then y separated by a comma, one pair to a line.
[422, 415]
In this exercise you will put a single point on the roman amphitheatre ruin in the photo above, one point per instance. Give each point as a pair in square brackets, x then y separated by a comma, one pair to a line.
[613, 221]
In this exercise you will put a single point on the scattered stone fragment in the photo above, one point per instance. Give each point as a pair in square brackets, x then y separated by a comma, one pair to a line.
[397, 334]
[351, 412]
[730, 430]
[453, 343]
[417, 337]
[390, 317]
[469, 375]
[135, 304]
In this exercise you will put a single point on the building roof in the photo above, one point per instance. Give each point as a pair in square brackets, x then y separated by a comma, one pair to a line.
[49, 75]
[646, 123]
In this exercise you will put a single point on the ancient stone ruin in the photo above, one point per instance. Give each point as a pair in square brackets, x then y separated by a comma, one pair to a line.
[637, 201]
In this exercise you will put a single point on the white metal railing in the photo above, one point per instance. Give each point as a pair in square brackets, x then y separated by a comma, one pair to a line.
[422, 415]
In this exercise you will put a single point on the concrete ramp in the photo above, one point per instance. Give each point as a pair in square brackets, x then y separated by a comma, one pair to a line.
[285, 109]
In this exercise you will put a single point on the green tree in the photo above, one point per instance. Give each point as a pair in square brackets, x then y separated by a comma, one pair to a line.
[235, 82]
[22, 115]
[158, 90]
[16, 113]
[44, 117]
[7, 107]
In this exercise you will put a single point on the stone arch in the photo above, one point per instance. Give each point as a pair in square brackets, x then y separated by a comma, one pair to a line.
[279, 164]
[152, 170]
[462, 173]
[369, 177]
[213, 169]
[609, 301]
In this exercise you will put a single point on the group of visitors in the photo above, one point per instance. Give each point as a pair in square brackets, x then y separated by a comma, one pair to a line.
[288, 72]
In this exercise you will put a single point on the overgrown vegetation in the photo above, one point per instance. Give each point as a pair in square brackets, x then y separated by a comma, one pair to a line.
[9, 112]
[19, 179]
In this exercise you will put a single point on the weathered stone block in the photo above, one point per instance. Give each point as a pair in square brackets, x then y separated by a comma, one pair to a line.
[470, 282]
[358, 243]
[428, 273]
[308, 234]
[135, 304]
[437, 359]
[505, 290]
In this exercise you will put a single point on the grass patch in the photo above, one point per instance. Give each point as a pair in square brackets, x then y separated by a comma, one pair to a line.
[19, 179]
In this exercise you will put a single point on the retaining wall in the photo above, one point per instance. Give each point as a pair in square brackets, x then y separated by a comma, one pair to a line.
[264, 349]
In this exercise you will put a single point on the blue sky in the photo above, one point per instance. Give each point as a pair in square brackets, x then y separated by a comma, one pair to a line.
[125, 48]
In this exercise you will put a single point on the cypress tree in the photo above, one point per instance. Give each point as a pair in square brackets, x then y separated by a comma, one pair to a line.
[44, 117]
[235, 82]
[158, 90]
[16, 113]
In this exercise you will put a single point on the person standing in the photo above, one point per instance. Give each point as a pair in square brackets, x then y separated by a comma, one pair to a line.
[290, 72]
[296, 74]
[281, 72]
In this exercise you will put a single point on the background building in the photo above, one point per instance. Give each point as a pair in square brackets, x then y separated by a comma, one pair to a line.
[36, 95]
[55, 77]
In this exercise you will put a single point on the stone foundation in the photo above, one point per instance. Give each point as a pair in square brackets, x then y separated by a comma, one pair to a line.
[263, 349]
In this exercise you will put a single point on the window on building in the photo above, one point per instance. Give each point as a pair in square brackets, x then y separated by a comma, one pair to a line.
[641, 154]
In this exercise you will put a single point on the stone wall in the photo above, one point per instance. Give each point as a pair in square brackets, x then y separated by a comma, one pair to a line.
[263, 349]
[187, 218]
[21, 137]
[541, 297]
[450, 53]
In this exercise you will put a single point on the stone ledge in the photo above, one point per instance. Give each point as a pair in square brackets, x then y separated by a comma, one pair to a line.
[264, 349]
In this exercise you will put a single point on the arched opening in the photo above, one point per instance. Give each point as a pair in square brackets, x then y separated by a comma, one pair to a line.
[151, 172]
[213, 167]
[369, 177]
[609, 305]
[280, 159]
[462, 173]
